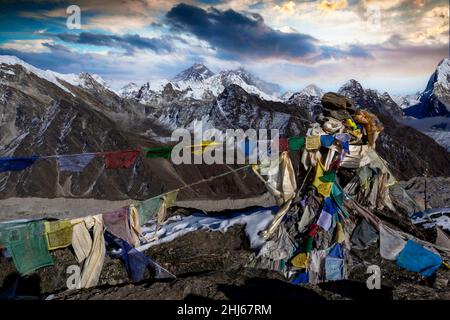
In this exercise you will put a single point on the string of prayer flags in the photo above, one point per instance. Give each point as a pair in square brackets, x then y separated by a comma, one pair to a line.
[120, 159]
[16, 164]
[74, 163]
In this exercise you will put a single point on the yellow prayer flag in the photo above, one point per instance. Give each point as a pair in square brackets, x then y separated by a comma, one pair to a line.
[340, 235]
[312, 143]
[58, 234]
[323, 188]
[170, 198]
[300, 260]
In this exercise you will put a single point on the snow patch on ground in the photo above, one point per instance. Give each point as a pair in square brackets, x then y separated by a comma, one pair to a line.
[178, 226]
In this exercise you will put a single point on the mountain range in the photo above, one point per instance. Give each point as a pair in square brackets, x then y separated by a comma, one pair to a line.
[44, 113]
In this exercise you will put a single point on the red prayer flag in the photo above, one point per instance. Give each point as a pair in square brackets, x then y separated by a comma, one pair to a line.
[120, 159]
[313, 230]
[283, 144]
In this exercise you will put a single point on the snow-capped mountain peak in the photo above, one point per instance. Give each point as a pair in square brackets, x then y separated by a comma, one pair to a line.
[351, 86]
[198, 72]
[200, 83]
[129, 91]
[435, 99]
[443, 73]
[313, 91]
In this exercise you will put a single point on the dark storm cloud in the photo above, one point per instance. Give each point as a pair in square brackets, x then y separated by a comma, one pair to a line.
[246, 35]
[127, 42]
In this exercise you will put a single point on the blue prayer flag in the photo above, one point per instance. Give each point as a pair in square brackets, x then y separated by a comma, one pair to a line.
[16, 164]
[416, 258]
[74, 163]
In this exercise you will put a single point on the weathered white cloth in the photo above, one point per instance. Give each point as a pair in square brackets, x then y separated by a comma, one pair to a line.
[272, 228]
[306, 219]
[357, 158]
[442, 239]
[280, 247]
[391, 243]
[316, 266]
[94, 260]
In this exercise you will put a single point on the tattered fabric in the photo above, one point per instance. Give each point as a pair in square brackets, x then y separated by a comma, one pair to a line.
[363, 235]
[300, 260]
[283, 144]
[117, 222]
[300, 278]
[93, 255]
[334, 269]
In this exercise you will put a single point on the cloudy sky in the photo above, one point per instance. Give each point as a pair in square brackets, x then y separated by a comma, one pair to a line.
[389, 45]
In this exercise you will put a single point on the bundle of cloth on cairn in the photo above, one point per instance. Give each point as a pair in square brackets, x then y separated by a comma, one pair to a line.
[345, 184]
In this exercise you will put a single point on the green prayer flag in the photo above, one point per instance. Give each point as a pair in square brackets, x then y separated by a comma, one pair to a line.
[296, 143]
[337, 194]
[158, 152]
[307, 245]
[27, 244]
[148, 209]
[328, 176]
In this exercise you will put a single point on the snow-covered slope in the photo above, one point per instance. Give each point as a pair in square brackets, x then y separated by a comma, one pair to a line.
[406, 101]
[313, 91]
[83, 80]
